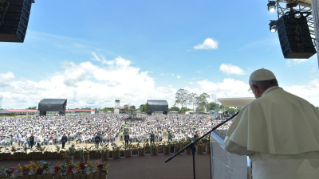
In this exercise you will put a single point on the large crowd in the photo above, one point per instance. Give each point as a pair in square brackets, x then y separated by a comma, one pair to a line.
[84, 127]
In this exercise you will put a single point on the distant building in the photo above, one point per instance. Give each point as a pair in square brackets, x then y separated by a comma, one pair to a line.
[6, 112]
[119, 110]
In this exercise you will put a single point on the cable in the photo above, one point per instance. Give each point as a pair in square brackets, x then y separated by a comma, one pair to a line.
[4, 13]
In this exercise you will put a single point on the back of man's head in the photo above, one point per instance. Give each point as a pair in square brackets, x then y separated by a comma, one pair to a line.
[263, 78]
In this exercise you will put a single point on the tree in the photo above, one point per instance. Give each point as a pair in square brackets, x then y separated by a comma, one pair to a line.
[200, 109]
[181, 97]
[143, 108]
[107, 109]
[221, 107]
[231, 110]
[212, 106]
[34, 107]
[126, 108]
[202, 101]
[192, 99]
[86, 108]
[174, 108]
[183, 110]
[132, 107]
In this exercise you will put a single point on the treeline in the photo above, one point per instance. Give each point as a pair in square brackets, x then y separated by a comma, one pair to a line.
[198, 103]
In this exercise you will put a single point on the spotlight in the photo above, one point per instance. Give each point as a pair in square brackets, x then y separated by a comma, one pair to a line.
[271, 6]
[273, 26]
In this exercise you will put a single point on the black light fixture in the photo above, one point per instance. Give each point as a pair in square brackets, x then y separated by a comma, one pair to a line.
[273, 26]
[271, 6]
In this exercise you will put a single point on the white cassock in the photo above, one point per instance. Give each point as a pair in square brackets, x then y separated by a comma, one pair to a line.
[280, 133]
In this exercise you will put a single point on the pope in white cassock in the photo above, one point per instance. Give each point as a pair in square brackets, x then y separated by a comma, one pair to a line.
[278, 131]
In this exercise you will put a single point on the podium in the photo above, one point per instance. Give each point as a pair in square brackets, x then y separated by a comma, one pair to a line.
[225, 164]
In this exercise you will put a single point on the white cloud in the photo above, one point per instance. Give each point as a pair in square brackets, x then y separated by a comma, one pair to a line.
[208, 44]
[300, 60]
[178, 76]
[308, 92]
[290, 62]
[227, 88]
[86, 85]
[6, 76]
[230, 69]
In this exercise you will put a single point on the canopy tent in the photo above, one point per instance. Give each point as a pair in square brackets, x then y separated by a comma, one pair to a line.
[157, 105]
[52, 105]
[235, 102]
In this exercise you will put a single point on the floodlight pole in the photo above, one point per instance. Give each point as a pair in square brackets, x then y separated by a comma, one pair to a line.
[315, 14]
[192, 144]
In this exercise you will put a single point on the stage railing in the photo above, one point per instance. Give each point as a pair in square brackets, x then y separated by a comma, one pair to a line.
[225, 164]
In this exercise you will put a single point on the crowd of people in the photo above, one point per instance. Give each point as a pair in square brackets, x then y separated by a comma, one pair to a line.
[84, 128]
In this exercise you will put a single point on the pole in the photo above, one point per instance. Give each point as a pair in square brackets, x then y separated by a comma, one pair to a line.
[315, 14]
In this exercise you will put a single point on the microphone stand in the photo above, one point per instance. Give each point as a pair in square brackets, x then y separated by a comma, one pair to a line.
[192, 144]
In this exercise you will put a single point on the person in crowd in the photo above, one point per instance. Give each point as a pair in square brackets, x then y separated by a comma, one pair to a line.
[64, 139]
[126, 138]
[152, 137]
[196, 136]
[31, 141]
[97, 140]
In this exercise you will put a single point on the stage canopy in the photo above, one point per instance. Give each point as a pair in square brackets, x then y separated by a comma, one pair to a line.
[52, 105]
[235, 102]
[157, 105]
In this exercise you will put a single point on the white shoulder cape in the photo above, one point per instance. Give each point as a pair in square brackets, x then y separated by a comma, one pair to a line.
[277, 123]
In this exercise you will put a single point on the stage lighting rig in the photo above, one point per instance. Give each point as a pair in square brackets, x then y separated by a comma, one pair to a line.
[273, 26]
[271, 6]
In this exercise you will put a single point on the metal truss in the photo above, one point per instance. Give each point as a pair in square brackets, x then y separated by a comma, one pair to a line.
[302, 7]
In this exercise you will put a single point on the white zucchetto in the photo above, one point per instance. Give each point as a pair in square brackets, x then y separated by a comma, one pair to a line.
[262, 75]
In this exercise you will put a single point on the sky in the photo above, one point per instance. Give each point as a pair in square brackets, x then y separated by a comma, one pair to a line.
[94, 52]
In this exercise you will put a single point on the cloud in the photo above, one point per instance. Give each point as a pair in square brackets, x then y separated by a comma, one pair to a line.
[300, 60]
[178, 76]
[208, 44]
[308, 92]
[6, 76]
[86, 85]
[227, 88]
[230, 69]
[290, 62]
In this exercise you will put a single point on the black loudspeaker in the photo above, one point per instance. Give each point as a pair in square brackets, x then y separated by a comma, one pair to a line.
[294, 37]
[14, 15]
